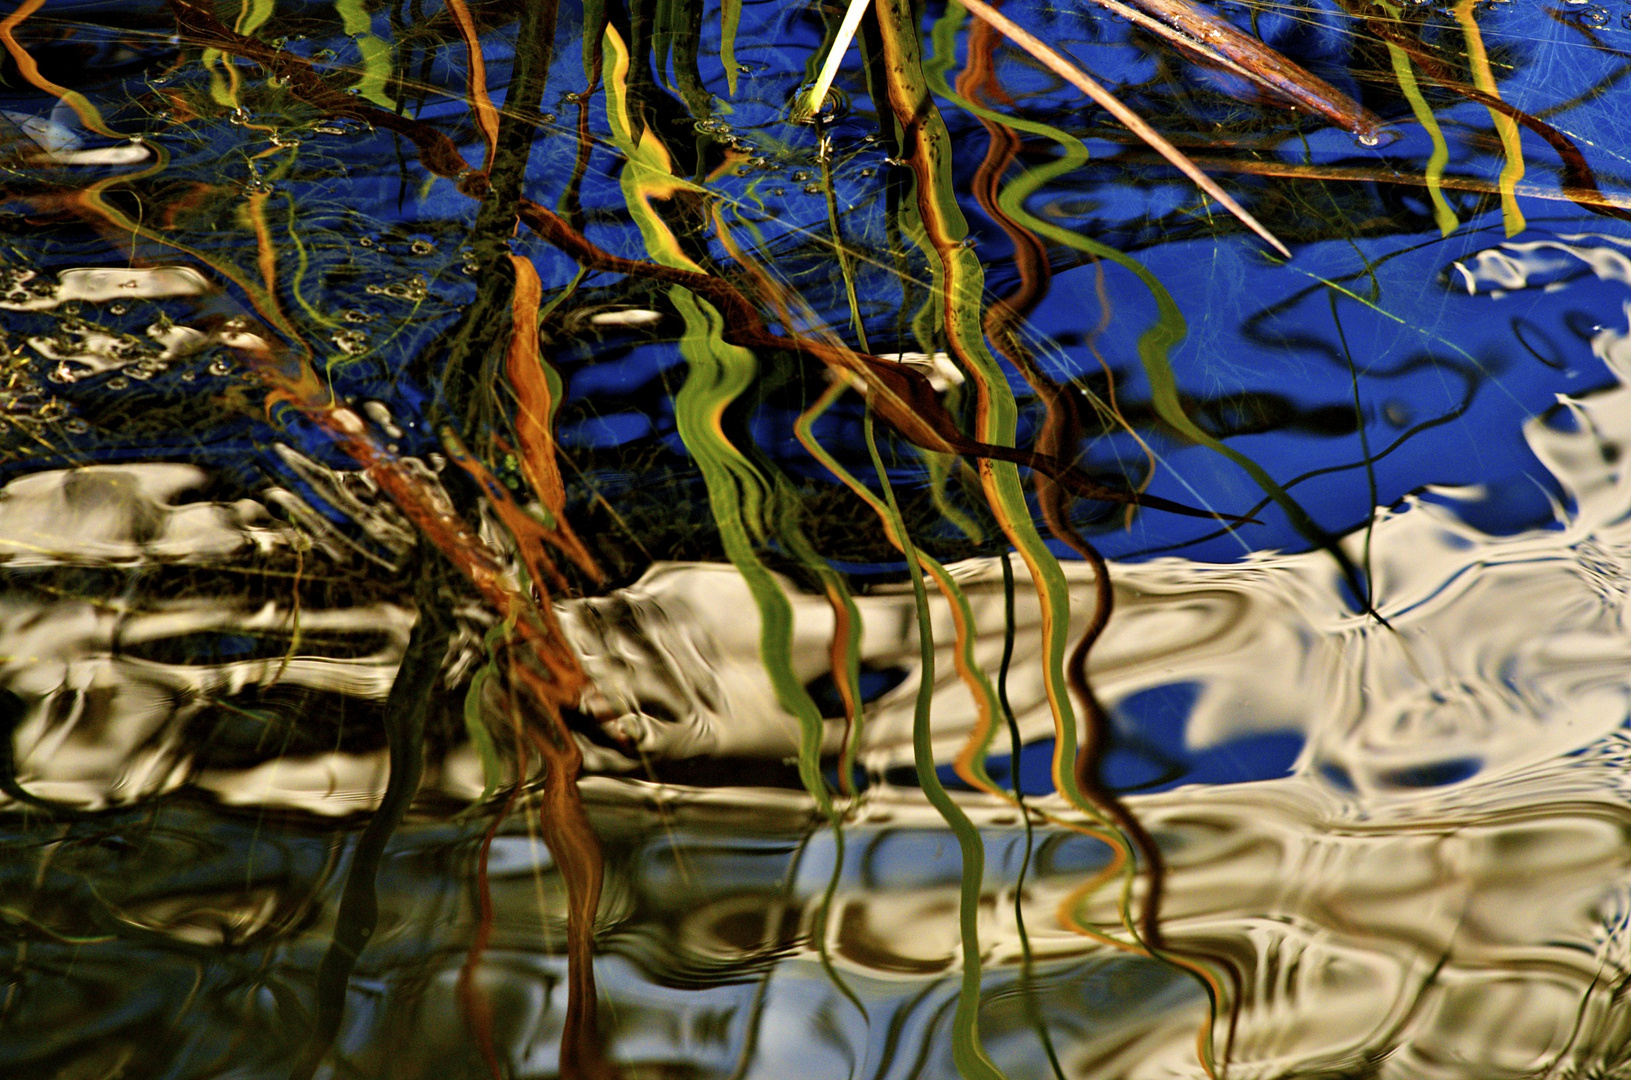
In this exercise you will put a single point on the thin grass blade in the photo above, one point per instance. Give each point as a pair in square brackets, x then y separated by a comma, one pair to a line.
[835, 56]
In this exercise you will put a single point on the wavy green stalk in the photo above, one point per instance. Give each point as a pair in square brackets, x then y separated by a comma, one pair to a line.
[718, 373]
[475, 726]
[960, 283]
[1506, 128]
[847, 667]
[223, 87]
[1443, 216]
[376, 54]
[967, 1053]
[302, 265]
[739, 495]
[962, 288]
[730, 17]
[1156, 344]
[675, 38]
[475, 711]
[959, 280]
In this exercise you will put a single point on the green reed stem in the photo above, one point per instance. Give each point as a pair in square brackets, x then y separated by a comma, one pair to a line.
[967, 1053]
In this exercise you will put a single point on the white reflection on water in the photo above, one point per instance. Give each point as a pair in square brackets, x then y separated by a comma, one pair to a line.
[1440, 888]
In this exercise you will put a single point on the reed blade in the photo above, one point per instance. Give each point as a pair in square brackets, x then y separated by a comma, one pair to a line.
[811, 104]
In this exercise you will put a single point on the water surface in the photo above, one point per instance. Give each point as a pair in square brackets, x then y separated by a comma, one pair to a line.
[523, 555]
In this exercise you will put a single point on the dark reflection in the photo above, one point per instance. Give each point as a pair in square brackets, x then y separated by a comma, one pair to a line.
[211, 927]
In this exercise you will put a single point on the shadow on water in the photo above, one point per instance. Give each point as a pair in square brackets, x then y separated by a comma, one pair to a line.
[538, 540]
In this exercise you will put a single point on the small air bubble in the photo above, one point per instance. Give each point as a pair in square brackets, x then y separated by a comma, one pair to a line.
[350, 342]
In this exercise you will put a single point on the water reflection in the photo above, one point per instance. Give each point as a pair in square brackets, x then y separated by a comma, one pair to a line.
[458, 613]
[1439, 886]
[1490, 938]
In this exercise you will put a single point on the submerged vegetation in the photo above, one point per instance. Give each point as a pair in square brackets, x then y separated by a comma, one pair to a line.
[513, 301]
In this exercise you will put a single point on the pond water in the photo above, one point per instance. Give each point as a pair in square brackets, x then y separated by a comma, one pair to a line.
[534, 542]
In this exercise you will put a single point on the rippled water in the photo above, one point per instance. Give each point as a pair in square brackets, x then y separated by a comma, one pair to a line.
[389, 689]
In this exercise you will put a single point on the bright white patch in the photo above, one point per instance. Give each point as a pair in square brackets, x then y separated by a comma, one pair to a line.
[629, 317]
[942, 372]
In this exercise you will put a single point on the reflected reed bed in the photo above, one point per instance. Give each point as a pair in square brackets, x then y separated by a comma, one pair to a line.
[728, 411]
